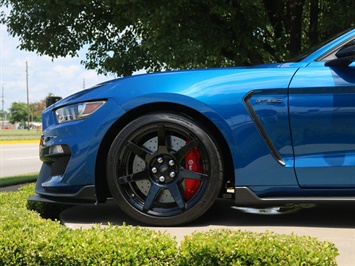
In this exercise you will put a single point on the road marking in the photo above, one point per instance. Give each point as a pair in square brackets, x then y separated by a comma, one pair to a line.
[23, 158]
[18, 149]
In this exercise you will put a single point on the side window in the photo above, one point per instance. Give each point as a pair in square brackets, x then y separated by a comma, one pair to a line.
[332, 54]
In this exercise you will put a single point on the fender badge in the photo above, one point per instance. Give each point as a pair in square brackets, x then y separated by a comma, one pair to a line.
[268, 101]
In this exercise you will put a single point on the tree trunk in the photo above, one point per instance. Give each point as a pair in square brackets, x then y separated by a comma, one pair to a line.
[313, 22]
[295, 21]
[274, 10]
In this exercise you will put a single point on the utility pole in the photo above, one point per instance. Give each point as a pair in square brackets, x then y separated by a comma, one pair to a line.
[28, 99]
[3, 112]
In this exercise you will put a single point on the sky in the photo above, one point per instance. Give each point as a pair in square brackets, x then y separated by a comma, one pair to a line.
[62, 77]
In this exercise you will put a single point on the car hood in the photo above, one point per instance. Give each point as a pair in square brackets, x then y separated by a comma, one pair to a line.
[192, 83]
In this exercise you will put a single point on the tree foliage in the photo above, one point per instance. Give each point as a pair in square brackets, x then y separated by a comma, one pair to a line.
[3, 115]
[124, 36]
[18, 112]
[36, 109]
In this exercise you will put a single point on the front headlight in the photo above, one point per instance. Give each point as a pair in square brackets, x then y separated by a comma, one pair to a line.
[77, 111]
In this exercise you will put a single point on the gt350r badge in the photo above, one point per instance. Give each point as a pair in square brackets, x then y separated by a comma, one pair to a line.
[268, 101]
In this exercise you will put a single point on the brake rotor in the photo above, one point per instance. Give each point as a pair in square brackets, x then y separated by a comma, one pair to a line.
[139, 165]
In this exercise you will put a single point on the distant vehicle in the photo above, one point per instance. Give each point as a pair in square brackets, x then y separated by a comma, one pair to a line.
[166, 145]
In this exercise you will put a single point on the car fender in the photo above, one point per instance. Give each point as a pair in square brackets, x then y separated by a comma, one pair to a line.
[188, 103]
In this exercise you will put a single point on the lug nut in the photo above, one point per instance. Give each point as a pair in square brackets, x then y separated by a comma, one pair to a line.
[172, 174]
[154, 170]
[162, 179]
[171, 163]
[160, 160]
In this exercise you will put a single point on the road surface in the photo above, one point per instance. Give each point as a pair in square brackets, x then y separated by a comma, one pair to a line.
[18, 159]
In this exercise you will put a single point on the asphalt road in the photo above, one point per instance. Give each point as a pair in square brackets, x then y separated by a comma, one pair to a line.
[327, 223]
[17, 159]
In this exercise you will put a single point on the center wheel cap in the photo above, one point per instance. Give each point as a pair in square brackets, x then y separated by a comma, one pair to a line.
[163, 169]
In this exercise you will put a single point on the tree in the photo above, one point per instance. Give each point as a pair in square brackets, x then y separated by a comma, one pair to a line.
[298, 24]
[36, 109]
[18, 112]
[126, 36]
[3, 115]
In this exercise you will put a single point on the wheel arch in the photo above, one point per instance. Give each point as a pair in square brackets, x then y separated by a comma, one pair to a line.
[102, 190]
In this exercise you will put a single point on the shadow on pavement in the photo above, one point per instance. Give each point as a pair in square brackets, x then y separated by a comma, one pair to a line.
[221, 214]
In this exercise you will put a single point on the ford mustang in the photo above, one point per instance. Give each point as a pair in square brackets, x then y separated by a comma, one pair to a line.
[164, 146]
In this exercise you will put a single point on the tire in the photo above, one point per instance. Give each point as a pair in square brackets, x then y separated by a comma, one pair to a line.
[149, 173]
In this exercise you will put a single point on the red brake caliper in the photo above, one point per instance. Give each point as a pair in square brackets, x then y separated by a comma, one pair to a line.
[193, 164]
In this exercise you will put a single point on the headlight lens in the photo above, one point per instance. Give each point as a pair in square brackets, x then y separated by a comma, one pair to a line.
[77, 111]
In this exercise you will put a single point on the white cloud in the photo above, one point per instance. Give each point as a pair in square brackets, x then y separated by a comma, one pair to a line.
[63, 76]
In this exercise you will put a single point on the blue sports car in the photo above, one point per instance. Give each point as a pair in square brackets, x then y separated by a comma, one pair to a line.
[164, 146]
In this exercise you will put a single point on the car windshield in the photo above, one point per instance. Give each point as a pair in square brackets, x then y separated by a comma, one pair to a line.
[314, 48]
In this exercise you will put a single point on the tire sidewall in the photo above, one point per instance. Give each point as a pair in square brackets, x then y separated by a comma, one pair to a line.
[213, 185]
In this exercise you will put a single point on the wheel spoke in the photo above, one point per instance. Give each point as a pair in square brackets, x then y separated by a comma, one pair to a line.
[162, 147]
[139, 151]
[160, 168]
[185, 173]
[180, 154]
[152, 194]
[175, 192]
[133, 177]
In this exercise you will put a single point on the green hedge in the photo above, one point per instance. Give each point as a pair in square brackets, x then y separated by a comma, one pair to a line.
[28, 239]
[228, 247]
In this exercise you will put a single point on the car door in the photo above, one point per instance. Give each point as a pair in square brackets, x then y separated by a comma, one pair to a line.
[322, 120]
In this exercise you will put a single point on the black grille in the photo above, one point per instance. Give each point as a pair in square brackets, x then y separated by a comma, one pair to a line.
[59, 165]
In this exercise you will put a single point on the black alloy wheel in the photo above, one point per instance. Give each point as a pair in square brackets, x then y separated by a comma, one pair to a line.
[164, 169]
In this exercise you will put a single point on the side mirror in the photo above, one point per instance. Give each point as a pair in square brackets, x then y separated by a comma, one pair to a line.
[348, 51]
[345, 56]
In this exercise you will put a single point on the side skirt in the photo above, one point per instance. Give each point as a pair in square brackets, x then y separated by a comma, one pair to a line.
[245, 197]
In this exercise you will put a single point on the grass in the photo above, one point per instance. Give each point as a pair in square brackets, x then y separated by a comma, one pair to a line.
[19, 135]
[19, 179]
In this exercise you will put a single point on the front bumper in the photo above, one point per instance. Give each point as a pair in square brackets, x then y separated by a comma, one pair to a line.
[51, 191]
[69, 153]
[85, 196]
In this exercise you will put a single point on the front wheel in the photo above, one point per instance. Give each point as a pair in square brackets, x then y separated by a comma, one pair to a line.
[164, 169]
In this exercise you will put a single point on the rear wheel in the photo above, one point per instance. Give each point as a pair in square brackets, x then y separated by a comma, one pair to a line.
[164, 169]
